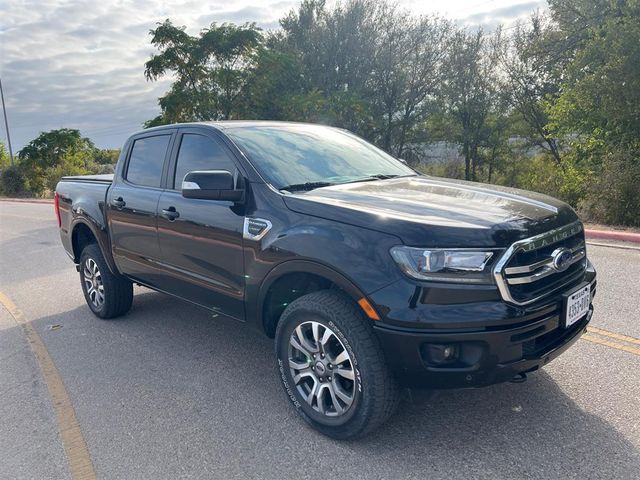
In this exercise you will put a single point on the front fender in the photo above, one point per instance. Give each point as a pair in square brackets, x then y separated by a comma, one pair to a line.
[353, 258]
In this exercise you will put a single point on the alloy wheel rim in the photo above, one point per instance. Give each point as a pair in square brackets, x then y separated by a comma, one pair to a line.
[93, 282]
[322, 369]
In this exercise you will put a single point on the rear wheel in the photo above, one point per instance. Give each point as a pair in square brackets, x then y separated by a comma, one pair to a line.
[107, 295]
[332, 367]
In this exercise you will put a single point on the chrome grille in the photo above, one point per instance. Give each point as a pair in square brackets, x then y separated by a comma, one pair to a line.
[539, 266]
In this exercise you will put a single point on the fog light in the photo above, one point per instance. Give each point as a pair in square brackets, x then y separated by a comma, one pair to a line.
[440, 354]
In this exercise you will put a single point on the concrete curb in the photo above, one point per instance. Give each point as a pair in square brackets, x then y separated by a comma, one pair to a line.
[48, 201]
[613, 235]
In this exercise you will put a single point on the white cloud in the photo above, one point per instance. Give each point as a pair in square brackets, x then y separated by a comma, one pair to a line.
[79, 63]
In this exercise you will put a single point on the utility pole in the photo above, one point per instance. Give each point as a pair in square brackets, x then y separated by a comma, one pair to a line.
[6, 123]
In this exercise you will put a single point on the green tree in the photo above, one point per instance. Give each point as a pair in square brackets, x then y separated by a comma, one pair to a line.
[57, 152]
[103, 160]
[598, 104]
[363, 57]
[12, 181]
[275, 77]
[210, 69]
[408, 70]
[336, 46]
[530, 79]
[5, 161]
[341, 109]
[335, 50]
[470, 93]
[549, 105]
[106, 156]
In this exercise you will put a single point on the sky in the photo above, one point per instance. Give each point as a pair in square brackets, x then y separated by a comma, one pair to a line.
[79, 63]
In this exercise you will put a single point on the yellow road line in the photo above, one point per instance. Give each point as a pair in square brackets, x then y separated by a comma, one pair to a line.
[618, 346]
[75, 447]
[617, 336]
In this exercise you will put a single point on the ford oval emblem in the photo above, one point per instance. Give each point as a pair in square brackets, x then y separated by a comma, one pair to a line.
[561, 259]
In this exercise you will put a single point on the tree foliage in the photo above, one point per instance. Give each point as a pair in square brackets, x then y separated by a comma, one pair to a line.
[64, 151]
[5, 160]
[12, 181]
[211, 69]
[530, 79]
[470, 93]
[549, 104]
[379, 65]
[598, 107]
[54, 154]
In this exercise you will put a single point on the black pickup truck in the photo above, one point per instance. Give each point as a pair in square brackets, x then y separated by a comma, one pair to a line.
[369, 275]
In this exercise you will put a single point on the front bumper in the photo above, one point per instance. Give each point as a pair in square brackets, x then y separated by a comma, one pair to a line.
[507, 342]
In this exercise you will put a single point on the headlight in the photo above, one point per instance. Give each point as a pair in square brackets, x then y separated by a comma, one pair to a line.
[454, 265]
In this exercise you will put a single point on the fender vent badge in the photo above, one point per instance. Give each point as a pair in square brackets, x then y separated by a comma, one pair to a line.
[255, 228]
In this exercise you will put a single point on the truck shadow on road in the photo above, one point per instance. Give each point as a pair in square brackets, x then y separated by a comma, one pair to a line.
[169, 382]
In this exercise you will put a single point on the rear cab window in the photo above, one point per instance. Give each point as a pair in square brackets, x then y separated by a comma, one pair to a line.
[147, 160]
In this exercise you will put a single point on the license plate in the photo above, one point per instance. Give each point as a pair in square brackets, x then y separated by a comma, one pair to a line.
[576, 305]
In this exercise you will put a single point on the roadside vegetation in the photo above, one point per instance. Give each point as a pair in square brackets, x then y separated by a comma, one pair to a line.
[40, 164]
[551, 104]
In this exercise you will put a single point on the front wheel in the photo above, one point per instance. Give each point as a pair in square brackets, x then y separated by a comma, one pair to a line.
[108, 295]
[332, 367]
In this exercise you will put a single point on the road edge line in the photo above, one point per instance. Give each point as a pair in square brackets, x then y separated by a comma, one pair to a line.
[75, 446]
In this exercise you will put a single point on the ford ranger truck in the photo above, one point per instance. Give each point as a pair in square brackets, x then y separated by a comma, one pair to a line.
[369, 276]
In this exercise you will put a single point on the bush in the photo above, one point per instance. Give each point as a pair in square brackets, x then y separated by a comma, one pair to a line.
[447, 169]
[52, 176]
[614, 195]
[566, 181]
[12, 181]
[604, 191]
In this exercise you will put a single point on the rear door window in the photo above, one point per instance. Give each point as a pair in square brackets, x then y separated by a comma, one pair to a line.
[147, 159]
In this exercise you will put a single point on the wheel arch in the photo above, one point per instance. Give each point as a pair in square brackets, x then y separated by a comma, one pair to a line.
[84, 233]
[306, 276]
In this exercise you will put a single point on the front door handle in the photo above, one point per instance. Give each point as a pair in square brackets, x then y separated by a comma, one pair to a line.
[170, 213]
[118, 203]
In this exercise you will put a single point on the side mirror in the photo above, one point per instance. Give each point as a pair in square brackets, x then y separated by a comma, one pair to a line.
[403, 161]
[211, 185]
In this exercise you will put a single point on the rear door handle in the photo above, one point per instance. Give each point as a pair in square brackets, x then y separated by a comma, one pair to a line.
[118, 202]
[170, 213]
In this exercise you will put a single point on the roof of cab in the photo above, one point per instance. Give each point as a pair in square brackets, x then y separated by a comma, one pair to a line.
[226, 124]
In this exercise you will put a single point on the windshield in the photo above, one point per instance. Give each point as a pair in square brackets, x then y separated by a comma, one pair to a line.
[313, 155]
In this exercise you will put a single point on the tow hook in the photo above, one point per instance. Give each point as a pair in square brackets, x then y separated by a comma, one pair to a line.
[519, 378]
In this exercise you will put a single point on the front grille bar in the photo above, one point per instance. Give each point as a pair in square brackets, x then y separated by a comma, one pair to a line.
[544, 263]
[529, 244]
[546, 266]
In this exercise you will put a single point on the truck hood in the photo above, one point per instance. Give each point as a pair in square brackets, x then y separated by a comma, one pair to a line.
[433, 212]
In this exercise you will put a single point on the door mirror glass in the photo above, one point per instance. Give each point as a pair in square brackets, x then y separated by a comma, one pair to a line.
[211, 185]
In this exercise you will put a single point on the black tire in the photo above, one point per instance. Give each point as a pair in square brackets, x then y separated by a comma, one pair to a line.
[117, 291]
[374, 390]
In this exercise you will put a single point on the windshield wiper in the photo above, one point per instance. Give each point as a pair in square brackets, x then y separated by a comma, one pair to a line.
[303, 187]
[377, 176]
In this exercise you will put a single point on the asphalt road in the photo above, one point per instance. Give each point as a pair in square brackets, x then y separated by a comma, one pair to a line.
[170, 392]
